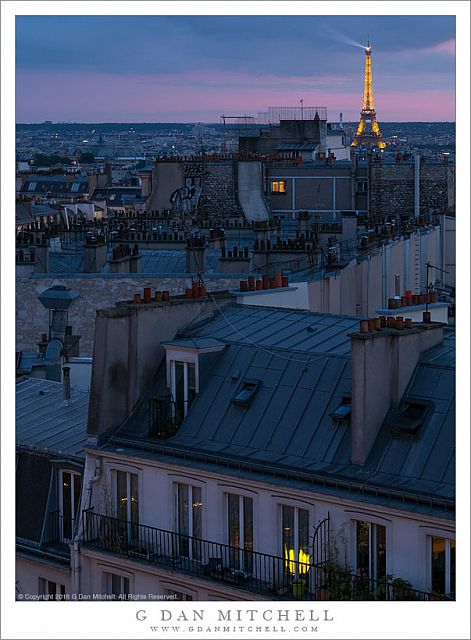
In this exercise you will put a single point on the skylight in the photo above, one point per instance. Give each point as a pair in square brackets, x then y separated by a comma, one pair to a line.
[410, 418]
[342, 413]
[246, 393]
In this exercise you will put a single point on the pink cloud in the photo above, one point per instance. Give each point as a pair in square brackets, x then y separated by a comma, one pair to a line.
[203, 95]
[448, 46]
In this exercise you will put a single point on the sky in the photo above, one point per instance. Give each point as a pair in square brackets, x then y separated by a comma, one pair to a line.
[196, 68]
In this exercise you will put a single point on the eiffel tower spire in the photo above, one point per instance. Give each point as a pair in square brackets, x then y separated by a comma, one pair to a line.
[368, 128]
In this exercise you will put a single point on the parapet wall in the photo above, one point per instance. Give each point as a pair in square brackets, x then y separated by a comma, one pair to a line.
[94, 293]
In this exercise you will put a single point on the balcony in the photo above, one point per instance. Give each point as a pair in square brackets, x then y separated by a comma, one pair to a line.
[260, 573]
[164, 417]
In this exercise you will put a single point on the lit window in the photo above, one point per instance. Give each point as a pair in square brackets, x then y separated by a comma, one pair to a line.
[278, 186]
[188, 515]
[442, 563]
[370, 550]
[127, 504]
[240, 531]
[295, 539]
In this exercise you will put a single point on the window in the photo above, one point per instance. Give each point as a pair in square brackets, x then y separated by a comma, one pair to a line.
[362, 186]
[278, 186]
[246, 393]
[183, 385]
[127, 504]
[177, 595]
[442, 566]
[115, 584]
[370, 549]
[69, 503]
[411, 417]
[127, 500]
[342, 413]
[49, 588]
[295, 539]
[188, 511]
[240, 531]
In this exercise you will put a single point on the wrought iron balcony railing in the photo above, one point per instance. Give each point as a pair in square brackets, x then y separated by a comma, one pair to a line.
[164, 417]
[272, 576]
[59, 531]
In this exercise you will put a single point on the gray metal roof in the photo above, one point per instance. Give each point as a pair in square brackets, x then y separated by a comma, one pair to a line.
[302, 361]
[280, 328]
[288, 422]
[44, 422]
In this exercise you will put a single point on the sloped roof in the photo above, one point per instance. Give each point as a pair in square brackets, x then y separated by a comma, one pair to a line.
[302, 363]
[281, 328]
[43, 421]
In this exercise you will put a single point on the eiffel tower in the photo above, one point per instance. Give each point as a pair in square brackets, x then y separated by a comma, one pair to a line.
[368, 128]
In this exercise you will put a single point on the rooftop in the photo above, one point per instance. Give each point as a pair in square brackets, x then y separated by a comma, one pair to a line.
[43, 422]
[299, 365]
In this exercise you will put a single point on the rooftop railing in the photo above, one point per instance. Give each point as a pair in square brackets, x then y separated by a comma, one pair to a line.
[273, 576]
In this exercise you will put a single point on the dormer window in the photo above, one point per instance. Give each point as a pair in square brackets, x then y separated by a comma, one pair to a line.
[182, 385]
[183, 369]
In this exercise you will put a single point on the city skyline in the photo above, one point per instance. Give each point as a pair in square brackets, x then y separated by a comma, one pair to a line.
[151, 68]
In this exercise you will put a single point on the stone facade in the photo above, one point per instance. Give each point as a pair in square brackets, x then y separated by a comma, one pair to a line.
[392, 188]
[94, 293]
[219, 197]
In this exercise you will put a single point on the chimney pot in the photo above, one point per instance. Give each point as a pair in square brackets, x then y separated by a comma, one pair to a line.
[158, 296]
[427, 316]
[137, 298]
[399, 322]
[391, 322]
[371, 325]
[408, 323]
[382, 321]
[364, 326]
[165, 296]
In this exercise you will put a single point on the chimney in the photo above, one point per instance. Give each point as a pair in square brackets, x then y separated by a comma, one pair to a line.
[382, 365]
[66, 385]
[196, 253]
[349, 225]
[41, 254]
[94, 254]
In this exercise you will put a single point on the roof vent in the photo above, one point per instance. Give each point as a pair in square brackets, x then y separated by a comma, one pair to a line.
[246, 392]
[410, 418]
[341, 415]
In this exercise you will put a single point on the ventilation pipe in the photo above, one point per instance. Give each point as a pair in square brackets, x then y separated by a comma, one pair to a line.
[66, 385]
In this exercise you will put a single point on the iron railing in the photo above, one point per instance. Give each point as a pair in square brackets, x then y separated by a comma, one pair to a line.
[59, 531]
[164, 417]
[262, 573]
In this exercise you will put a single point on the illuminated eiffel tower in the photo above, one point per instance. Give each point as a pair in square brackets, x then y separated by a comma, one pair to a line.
[368, 128]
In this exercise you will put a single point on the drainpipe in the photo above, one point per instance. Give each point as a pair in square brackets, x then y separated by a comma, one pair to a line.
[85, 504]
[416, 186]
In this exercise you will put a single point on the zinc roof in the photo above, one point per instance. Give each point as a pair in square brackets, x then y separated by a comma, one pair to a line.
[44, 422]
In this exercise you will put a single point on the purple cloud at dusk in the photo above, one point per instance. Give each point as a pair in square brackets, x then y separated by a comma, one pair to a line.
[196, 68]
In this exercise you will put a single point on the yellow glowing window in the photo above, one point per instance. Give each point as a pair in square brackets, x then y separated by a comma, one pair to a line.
[278, 186]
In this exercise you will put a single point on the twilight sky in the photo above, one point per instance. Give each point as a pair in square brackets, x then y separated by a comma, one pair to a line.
[195, 68]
